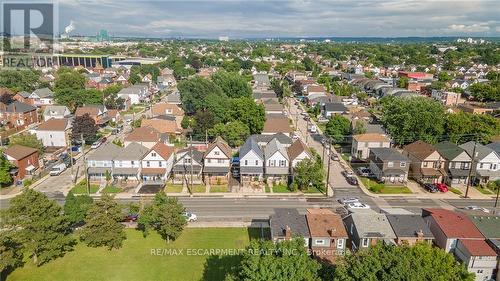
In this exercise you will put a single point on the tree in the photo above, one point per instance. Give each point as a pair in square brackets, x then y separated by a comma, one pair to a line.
[29, 140]
[5, 166]
[6, 98]
[77, 207]
[19, 80]
[111, 99]
[203, 121]
[232, 84]
[194, 91]
[462, 127]
[235, 133]
[338, 128]
[165, 216]
[286, 260]
[411, 119]
[403, 82]
[484, 92]
[248, 112]
[69, 80]
[84, 125]
[387, 262]
[443, 76]
[11, 254]
[359, 128]
[39, 226]
[102, 224]
[308, 173]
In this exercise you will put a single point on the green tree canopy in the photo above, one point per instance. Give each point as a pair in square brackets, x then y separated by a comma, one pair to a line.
[69, 80]
[235, 132]
[338, 128]
[77, 207]
[20, 79]
[38, 226]
[27, 139]
[102, 224]
[11, 253]
[462, 127]
[309, 173]
[248, 112]
[165, 216]
[194, 91]
[5, 166]
[232, 84]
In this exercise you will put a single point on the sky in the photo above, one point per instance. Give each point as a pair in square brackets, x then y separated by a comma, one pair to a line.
[282, 18]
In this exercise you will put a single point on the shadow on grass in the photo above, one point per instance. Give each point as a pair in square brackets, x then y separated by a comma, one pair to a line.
[218, 267]
[259, 233]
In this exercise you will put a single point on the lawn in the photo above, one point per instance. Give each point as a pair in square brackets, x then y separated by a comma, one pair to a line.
[484, 190]
[381, 188]
[81, 188]
[198, 188]
[135, 109]
[219, 188]
[267, 188]
[173, 188]
[280, 188]
[313, 190]
[455, 190]
[111, 189]
[136, 259]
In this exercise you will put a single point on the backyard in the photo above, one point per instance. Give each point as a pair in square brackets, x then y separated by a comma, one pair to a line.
[81, 188]
[381, 188]
[137, 260]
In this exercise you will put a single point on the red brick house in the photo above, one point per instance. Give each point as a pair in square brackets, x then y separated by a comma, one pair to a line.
[17, 115]
[24, 158]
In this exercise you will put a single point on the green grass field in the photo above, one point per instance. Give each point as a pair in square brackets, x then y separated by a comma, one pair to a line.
[111, 189]
[484, 190]
[198, 188]
[381, 188]
[135, 261]
[280, 188]
[173, 188]
[455, 190]
[81, 188]
[219, 188]
[313, 190]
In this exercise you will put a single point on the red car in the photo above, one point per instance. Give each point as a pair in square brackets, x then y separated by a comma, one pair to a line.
[441, 187]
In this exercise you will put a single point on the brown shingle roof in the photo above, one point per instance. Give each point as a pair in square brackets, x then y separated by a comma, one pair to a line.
[163, 150]
[161, 125]
[325, 224]
[54, 125]
[453, 224]
[161, 109]
[296, 149]
[145, 134]
[223, 146]
[478, 247]
[371, 137]
[19, 151]
[420, 149]
[277, 125]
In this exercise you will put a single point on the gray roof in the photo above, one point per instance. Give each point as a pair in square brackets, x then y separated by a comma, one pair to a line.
[108, 151]
[409, 225]
[391, 154]
[174, 97]
[58, 110]
[372, 224]
[24, 94]
[19, 107]
[133, 151]
[448, 150]
[282, 138]
[291, 218]
[246, 170]
[335, 107]
[481, 150]
[264, 94]
[44, 93]
[261, 79]
[272, 147]
[251, 145]
[215, 169]
[197, 155]
[495, 146]
[125, 171]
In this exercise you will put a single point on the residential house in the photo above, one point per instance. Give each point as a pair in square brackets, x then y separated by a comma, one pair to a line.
[163, 125]
[54, 132]
[449, 226]
[367, 227]
[486, 161]
[366, 128]
[487, 224]
[297, 152]
[24, 158]
[217, 162]
[159, 109]
[389, 165]
[495, 146]
[23, 97]
[426, 164]
[410, 229]
[174, 98]
[259, 94]
[127, 164]
[315, 90]
[263, 140]
[55, 112]
[261, 80]
[478, 257]
[166, 81]
[458, 83]
[287, 224]
[135, 93]
[41, 97]
[157, 164]
[146, 136]
[251, 162]
[188, 166]
[457, 162]
[362, 143]
[272, 106]
[274, 125]
[17, 115]
[331, 108]
[277, 163]
[447, 98]
[328, 234]
[475, 109]
[101, 161]
[97, 112]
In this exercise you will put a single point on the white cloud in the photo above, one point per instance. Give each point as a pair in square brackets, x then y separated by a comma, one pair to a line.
[473, 28]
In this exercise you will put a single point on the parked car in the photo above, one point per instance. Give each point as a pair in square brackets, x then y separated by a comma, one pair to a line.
[352, 180]
[334, 157]
[304, 114]
[348, 200]
[430, 187]
[441, 187]
[131, 218]
[347, 173]
[57, 169]
[363, 171]
[357, 206]
[476, 208]
[313, 129]
[190, 217]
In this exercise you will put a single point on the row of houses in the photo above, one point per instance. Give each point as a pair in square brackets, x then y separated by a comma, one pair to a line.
[474, 239]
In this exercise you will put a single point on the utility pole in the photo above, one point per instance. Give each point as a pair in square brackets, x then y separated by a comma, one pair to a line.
[328, 170]
[70, 155]
[191, 156]
[496, 200]
[307, 132]
[85, 165]
[470, 169]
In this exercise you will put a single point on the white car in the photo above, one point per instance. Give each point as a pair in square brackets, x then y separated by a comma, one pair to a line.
[348, 200]
[476, 208]
[57, 169]
[190, 217]
[96, 144]
[357, 205]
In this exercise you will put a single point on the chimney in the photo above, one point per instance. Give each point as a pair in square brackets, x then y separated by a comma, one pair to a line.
[288, 233]
[420, 234]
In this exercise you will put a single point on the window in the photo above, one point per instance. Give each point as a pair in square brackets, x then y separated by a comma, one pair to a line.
[209, 160]
[132, 162]
[364, 242]
[390, 164]
[187, 161]
[160, 163]
[480, 165]
[479, 271]
[425, 164]
[220, 161]
[340, 243]
[246, 162]
[256, 162]
[272, 163]
[153, 154]
[282, 163]
[402, 164]
[216, 152]
[320, 242]
[147, 164]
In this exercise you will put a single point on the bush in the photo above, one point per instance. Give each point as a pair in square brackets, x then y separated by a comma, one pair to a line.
[27, 182]
[493, 185]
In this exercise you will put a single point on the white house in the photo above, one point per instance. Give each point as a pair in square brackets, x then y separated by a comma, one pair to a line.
[251, 161]
[217, 162]
[297, 152]
[277, 162]
[135, 93]
[486, 161]
[362, 143]
[55, 112]
[43, 96]
[157, 164]
[54, 132]
[127, 164]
